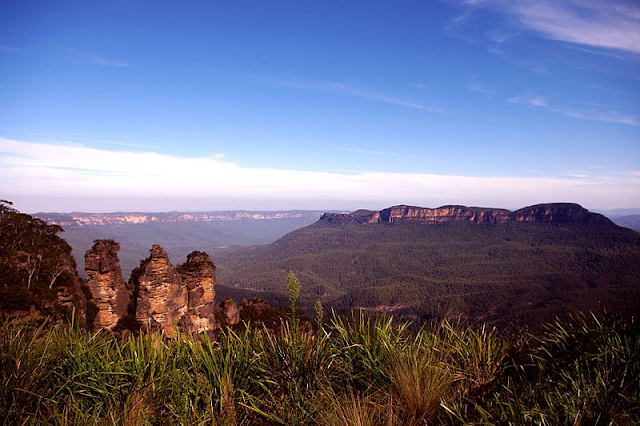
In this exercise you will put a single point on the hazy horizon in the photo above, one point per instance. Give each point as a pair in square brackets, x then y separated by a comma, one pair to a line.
[123, 106]
[615, 212]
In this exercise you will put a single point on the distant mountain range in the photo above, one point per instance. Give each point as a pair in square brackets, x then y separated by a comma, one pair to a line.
[78, 219]
[517, 267]
[631, 221]
[179, 233]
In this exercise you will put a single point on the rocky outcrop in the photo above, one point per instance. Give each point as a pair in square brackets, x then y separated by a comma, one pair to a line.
[110, 294]
[559, 213]
[198, 275]
[231, 312]
[169, 298]
[164, 297]
[161, 299]
[555, 213]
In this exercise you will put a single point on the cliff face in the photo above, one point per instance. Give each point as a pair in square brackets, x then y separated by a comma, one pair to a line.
[441, 214]
[107, 286]
[198, 275]
[165, 297]
[559, 213]
[555, 213]
[161, 297]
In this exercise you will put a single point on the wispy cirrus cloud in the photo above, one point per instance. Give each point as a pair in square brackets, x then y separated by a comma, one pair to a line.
[357, 92]
[612, 24]
[35, 175]
[92, 58]
[531, 100]
[593, 114]
[475, 86]
[9, 49]
[608, 24]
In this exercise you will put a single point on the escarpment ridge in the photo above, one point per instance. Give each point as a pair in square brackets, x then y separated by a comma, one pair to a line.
[543, 213]
[516, 267]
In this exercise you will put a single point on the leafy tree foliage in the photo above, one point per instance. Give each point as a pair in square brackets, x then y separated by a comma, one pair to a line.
[36, 267]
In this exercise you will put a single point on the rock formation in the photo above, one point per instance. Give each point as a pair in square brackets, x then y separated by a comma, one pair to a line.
[164, 297]
[231, 311]
[559, 213]
[160, 296]
[198, 275]
[109, 291]
[555, 212]
[167, 298]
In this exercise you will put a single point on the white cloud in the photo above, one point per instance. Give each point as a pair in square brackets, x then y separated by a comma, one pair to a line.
[593, 114]
[586, 22]
[536, 101]
[601, 24]
[73, 177]
[475, 86]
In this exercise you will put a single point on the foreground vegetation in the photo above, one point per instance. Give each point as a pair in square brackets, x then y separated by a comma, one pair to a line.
[363, 371]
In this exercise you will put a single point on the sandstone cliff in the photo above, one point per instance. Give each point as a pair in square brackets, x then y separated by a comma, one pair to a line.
[160, 296]
[198, 275]
[110, 294]
[167, 298]
[555, 212]
[164, 297]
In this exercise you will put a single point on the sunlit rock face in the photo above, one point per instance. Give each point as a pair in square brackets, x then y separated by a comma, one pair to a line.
[198, 275]
[441, 215]
[555, 212]
[165, 298]
[161, 298]
[171, 299]
[106, 284]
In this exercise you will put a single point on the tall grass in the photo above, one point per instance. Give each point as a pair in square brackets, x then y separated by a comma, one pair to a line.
[356, 371]
[584, 371]
[28, 356]
[365, 345]
[418, 384]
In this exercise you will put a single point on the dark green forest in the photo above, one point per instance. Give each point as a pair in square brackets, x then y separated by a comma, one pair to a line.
[518, 273]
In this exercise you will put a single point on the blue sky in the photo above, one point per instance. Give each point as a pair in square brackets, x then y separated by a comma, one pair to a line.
[202, 105]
